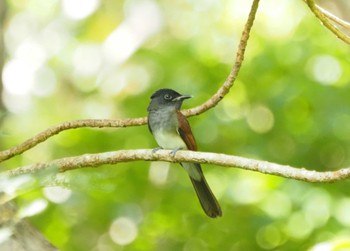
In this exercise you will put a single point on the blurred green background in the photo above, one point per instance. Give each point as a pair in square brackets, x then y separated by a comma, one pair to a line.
[77, 59]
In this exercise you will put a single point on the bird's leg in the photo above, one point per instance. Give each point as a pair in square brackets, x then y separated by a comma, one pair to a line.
[173, 152]
[154, 150]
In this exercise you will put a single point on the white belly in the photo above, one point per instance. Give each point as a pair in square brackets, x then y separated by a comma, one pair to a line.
[168, 140]
[174, 141]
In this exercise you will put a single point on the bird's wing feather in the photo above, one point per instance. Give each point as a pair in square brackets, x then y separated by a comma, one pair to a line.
[149, 126]
[186, 132]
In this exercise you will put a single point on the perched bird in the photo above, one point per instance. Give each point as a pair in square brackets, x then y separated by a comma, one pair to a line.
[171, 130]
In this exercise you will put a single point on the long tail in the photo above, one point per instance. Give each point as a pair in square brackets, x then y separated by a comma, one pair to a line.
[206, 197]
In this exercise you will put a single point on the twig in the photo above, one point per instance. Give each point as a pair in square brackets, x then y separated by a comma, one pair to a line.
[225, 88]
[95, 160]
[323, 17]
[334, 18]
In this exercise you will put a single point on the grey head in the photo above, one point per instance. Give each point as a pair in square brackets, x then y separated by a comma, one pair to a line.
[166, 98]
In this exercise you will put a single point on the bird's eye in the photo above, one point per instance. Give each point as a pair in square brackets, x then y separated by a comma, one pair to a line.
[167, 97]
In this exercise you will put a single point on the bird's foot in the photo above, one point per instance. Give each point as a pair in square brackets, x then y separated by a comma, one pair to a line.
[173, 152]
[156, 149]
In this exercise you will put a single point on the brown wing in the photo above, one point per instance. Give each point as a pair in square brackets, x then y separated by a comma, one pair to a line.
[186, 132]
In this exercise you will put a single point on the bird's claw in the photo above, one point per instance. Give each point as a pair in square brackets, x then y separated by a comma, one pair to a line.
[173, 152]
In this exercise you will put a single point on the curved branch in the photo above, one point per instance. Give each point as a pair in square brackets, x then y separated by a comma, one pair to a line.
[94, 160]
[51, 131]
[225, 88]
[323, 16]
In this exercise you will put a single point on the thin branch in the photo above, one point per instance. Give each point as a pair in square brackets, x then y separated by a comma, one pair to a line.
[51, 131]
[334, 18]
[324, 16]
[213, 101]
[225, 88]
[112, 158]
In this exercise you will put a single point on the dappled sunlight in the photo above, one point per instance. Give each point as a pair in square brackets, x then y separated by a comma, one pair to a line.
[90, 59]
[143, 19]
[280, 19]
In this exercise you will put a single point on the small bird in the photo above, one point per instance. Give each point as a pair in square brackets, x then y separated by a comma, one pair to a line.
[171, 130]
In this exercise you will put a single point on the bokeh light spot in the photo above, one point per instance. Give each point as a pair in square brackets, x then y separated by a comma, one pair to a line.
[132, 79]
[18, 77]
[341, 126]
[336, 244]
[248, 189]
[123, 231]
[57, 194]
[21, 27]
[87, 59]
[260, 119]
[158, 172]
[278, 23]
[297, 226]
[143, 18]
[33, 208]
[341, 212]
[325, 69]
[16, 103]
[277, 198]
[32, 53]
[324, 246]
[45, 82]
[79, 9]
[97, 108]
[5, 233]
[269, 237]
[317, 207]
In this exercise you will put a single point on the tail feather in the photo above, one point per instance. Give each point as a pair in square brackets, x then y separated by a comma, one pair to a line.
[206, 197]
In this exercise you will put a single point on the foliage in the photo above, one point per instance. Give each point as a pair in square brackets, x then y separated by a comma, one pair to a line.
[289, 105]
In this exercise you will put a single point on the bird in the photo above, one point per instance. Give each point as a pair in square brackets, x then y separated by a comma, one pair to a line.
[172, 131]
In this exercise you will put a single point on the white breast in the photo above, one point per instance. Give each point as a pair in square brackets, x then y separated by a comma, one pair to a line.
[168, 140]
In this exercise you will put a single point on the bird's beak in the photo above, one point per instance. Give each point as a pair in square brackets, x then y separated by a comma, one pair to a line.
[182, 97]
